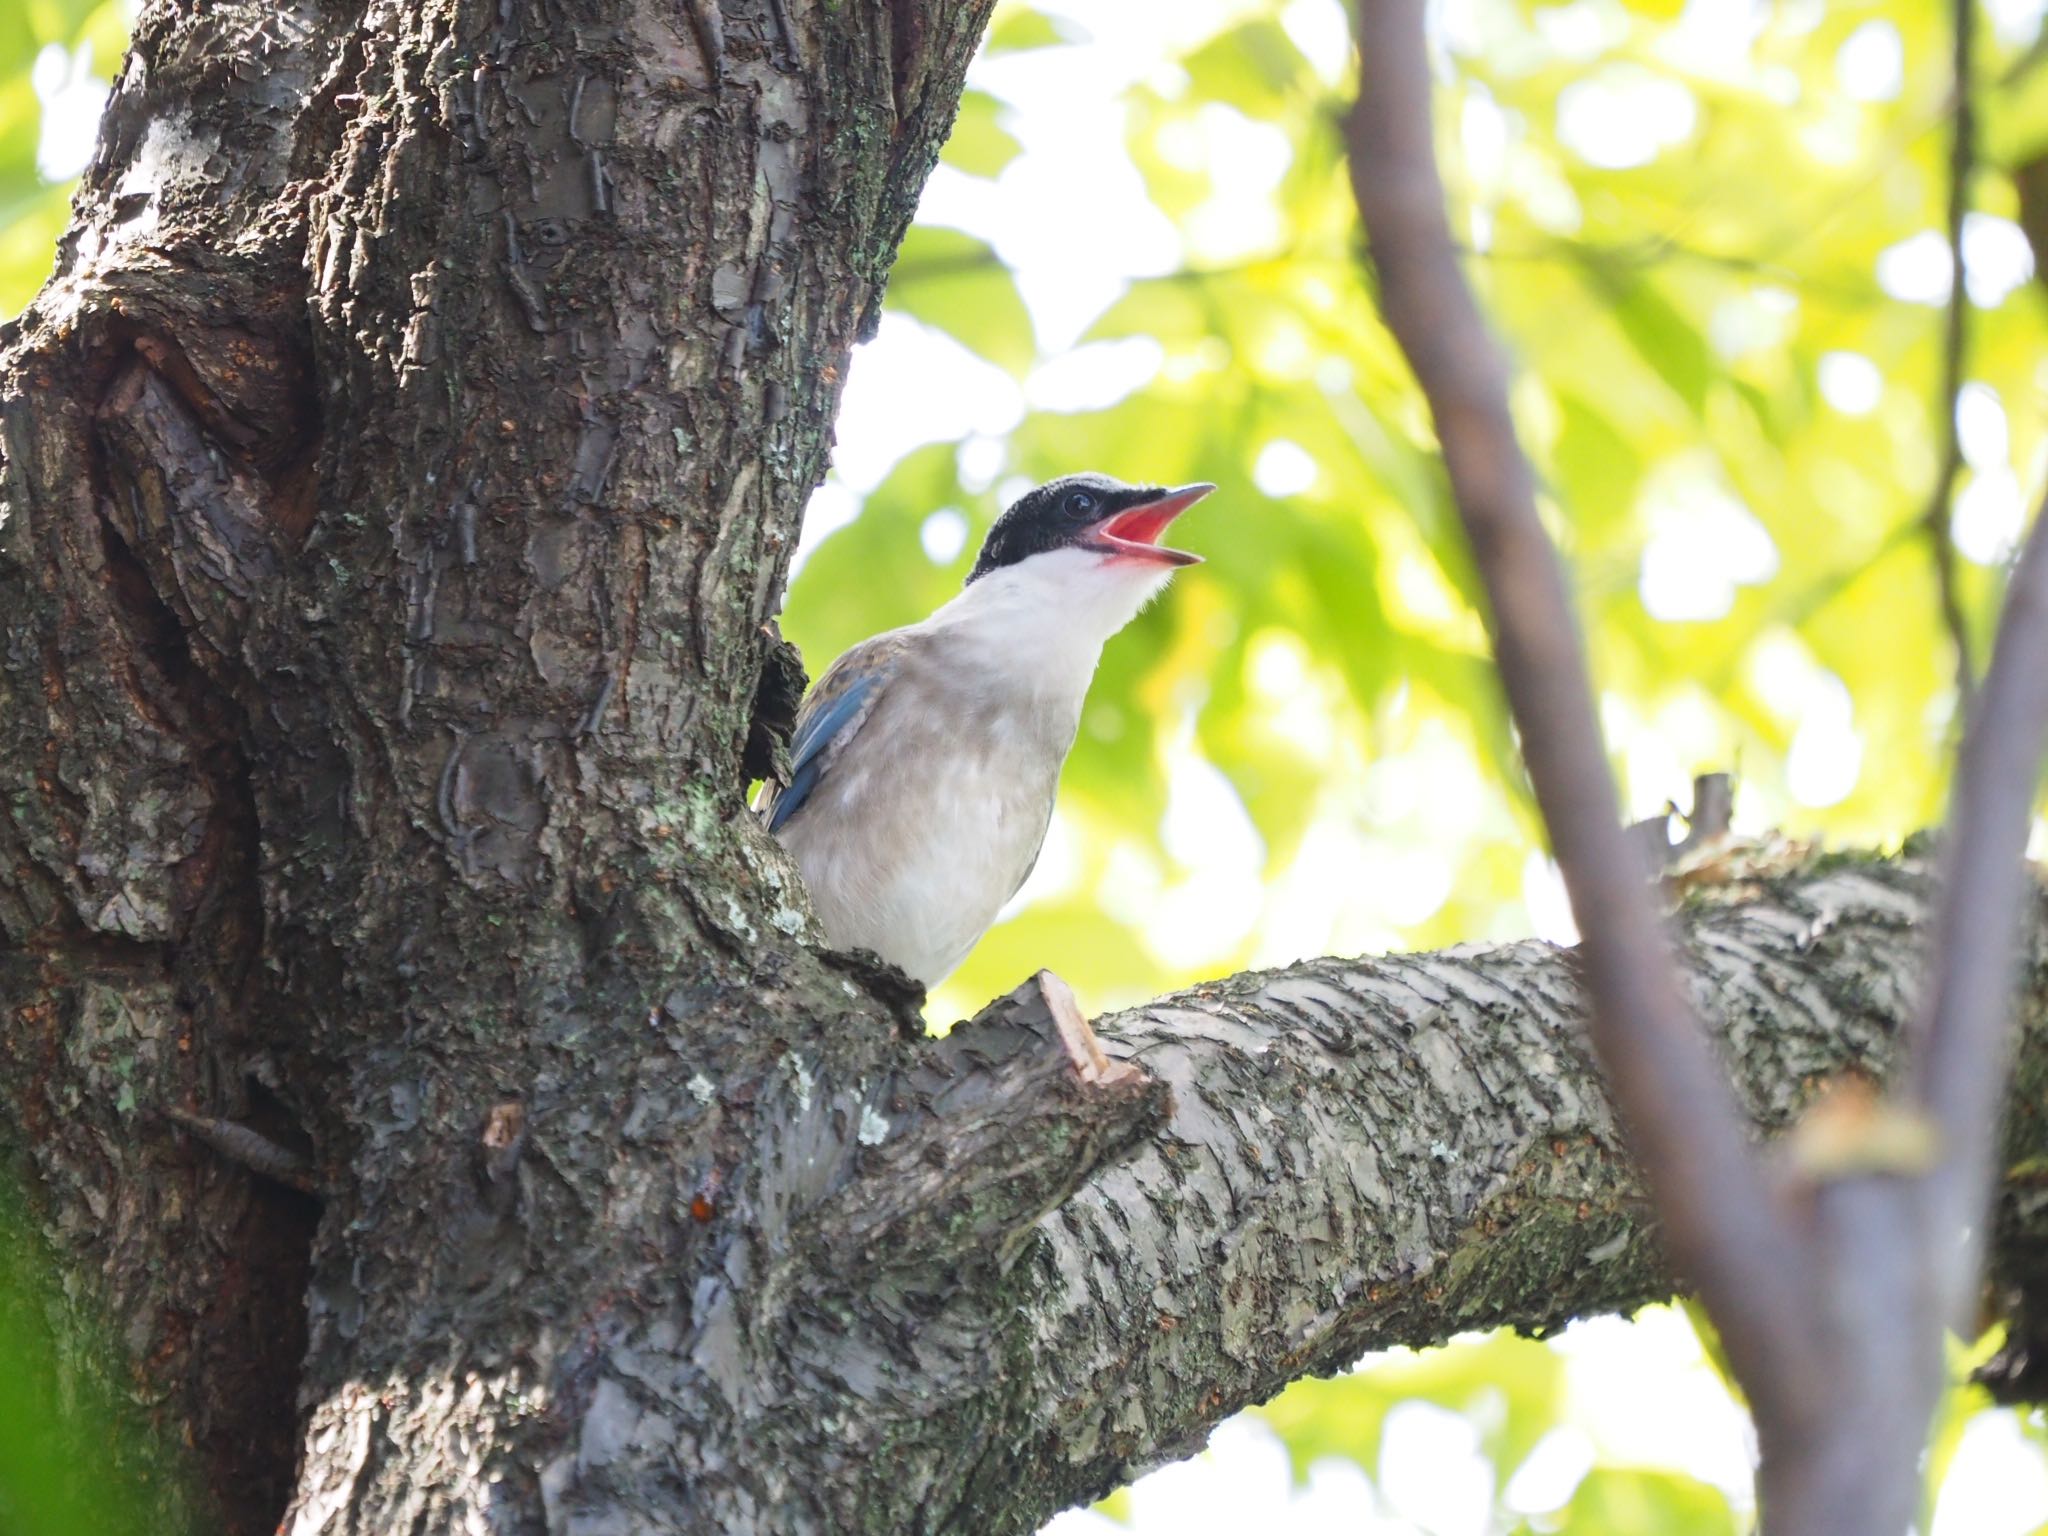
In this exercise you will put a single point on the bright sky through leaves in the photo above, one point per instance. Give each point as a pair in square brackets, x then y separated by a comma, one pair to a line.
[1711, 231]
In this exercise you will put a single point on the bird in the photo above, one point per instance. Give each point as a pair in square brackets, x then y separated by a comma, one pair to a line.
[925, 762]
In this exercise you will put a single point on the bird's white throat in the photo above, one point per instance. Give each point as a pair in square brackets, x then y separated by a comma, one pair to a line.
[1044, 620]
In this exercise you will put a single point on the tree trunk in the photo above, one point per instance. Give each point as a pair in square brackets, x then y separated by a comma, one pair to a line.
[400, 474]
[399, 477]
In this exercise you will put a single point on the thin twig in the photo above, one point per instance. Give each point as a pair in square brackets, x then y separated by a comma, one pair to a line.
[1960, 1038]
[250, 1147]
[1726, 1228]
[1938, 518]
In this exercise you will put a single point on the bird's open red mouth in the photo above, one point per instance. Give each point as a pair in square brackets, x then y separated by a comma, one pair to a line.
[1134, 532]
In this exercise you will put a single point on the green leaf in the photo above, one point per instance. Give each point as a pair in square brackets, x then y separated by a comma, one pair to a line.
[835, 602]
[1622, 1501]
[1019, 28]
[955, 282]
[29, 227]
[1254, 67]
[1597, 467]
[1710, 1343]
[105, 27]
[980, 145]
[1663, 338]
[1514, 1385]
[1117, 1507]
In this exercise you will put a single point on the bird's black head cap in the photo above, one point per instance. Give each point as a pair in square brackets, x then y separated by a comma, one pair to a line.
[1057, 515]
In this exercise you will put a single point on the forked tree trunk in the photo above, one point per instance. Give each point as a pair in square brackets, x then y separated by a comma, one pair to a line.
[399, 478]
[400, 473]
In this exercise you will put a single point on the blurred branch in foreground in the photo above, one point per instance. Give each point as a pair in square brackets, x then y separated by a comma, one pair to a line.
[1673, 1095]
[1830, 1281]
[1938, 519]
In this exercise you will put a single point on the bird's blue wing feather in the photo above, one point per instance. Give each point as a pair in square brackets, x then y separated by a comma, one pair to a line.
[836, 708]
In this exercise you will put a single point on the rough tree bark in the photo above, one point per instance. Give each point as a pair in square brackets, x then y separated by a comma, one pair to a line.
[399, 477]
[399, 473]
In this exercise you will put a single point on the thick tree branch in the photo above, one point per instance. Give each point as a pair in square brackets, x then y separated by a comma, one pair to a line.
[1360, 1153]
[1727, 1229]
[994, 1126]
[401, 472]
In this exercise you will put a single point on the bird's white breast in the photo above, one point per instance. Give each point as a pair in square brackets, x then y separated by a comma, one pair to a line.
[920, 833]
[932, 815]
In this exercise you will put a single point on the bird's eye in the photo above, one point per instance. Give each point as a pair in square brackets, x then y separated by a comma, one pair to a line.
[1080, 504]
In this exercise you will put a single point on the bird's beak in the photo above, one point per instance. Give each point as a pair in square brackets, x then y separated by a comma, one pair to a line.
[1134, 532]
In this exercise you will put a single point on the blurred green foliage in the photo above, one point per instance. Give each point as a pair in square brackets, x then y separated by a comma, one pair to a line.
[74, 1458]
[1709, 232]
[1711, 236]
[1735, 421]
[70, 39]
[1515, 1385]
